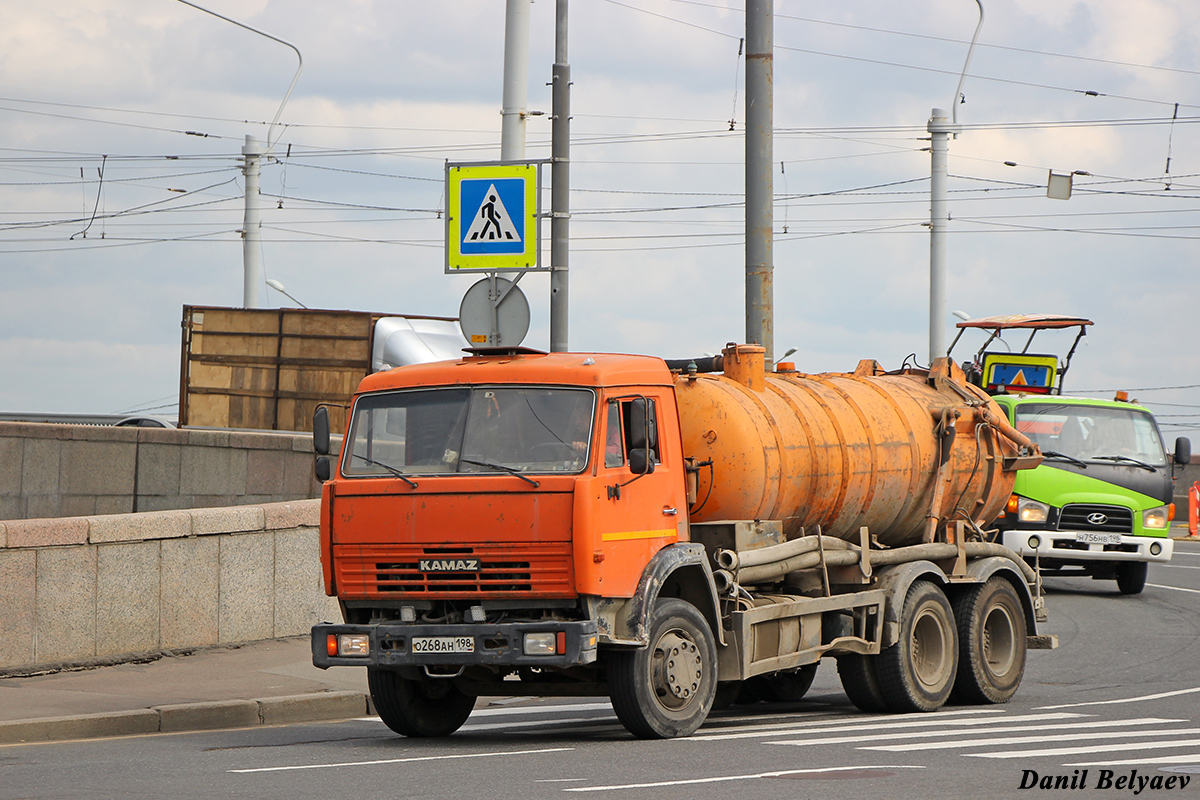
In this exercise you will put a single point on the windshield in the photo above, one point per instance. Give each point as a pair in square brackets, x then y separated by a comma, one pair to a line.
[1092, 433]
[469, 430]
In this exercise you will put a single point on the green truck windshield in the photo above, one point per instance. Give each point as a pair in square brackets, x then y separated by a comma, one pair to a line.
[1092, 433]
[469, 430]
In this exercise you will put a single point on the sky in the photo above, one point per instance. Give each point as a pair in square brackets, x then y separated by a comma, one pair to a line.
[122, 123]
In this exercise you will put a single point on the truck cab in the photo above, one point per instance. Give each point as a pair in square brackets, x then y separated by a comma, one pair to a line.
[1100, 503]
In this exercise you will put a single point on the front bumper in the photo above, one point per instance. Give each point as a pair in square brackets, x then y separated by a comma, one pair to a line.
[494, 644]
[1062, 545]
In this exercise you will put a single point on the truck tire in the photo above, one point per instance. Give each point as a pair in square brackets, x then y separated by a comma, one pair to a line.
[428, 707]
[991, 643]
[666, 689]
[860, 682]
[918, 671]
[1131, 576]
[788, 687]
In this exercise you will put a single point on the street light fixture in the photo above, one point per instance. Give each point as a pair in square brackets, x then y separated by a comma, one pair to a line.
[277, 286]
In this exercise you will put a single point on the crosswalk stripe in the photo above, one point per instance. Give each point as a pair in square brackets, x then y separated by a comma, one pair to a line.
[1190, 758]
[1065, 737]
[976, 732]
[1068, 751]
[908, 721]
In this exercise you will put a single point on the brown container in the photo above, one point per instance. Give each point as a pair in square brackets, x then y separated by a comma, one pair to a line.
[840, 450]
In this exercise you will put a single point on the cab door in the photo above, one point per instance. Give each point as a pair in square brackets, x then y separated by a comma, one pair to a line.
[632, 505]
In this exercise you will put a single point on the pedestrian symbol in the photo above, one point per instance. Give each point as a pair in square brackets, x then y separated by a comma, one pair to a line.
[491, 217]
[492, 222]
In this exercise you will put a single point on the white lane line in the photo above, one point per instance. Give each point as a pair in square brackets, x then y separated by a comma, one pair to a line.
[920, 721]
[1176, 588]
[404, 760]
[1066, 737]
[1159, 696]
[1176, 566]
[574, 708]
[1070, 751]
[979, 732]
[726, 778]
[498, 726]
[1192, 758]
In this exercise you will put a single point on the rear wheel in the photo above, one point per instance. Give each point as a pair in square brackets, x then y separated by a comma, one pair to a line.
[427, 707]
[860, 682]
[666, 689]
[918, 671]
[991, 642]
[1131, 576]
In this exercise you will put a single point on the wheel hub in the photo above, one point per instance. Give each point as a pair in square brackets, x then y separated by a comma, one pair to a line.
[677, 669]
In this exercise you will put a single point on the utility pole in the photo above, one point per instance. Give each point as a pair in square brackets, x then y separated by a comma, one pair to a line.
[939, 148]
[516, 80]
[252, 225]
[560, 184]
[939, 215]
[760, 208]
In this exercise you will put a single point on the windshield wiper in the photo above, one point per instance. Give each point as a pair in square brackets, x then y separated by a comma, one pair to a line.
[1054, 455]
[502, 468]
[1127, 460]
[388, 467]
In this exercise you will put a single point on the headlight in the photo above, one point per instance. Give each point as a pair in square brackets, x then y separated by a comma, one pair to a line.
[540, 644]
[353, 644]
[1156, 519]
[1031, 510]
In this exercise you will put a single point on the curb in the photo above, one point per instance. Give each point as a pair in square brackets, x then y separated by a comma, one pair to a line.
[185, 717]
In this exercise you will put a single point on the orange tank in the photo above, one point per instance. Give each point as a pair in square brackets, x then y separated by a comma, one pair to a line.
[842, 450]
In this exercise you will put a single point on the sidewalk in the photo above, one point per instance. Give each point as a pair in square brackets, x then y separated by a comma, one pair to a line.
[265, 683]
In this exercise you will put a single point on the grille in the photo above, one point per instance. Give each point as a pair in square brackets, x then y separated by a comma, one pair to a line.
[1075, 518]
[542, 569]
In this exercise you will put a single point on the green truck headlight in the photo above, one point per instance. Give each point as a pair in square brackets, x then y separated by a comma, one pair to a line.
[1031, 510]
[1156, 519]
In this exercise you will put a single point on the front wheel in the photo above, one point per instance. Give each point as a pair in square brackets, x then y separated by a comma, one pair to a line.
[918, 671]
[1131, 576]
[666, 689]
[991, 642]
[428, 707]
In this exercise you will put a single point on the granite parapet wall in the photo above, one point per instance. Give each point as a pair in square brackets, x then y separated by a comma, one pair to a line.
[79, 589]
[51, 470]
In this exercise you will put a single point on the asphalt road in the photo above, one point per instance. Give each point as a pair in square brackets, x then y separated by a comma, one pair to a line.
[1119, 699]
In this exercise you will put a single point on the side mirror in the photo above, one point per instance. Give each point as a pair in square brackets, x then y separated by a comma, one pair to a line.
[322, 468]
[1183, 451]
[321, 430]
[640, 462]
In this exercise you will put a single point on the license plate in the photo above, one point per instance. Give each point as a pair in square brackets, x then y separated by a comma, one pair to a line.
[443, 644]
[1098, 538]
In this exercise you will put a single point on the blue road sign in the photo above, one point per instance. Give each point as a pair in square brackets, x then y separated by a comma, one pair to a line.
[491, 217]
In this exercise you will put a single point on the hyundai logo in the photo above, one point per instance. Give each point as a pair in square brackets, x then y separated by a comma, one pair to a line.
[1097, 518]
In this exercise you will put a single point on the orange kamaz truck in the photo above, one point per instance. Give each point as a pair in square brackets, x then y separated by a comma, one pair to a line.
[669, 535]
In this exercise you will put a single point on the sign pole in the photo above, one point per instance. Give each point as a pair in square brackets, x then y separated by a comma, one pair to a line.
[560, 182]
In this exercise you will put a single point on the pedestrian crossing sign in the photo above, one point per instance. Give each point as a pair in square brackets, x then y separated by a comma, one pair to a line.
[492, 217]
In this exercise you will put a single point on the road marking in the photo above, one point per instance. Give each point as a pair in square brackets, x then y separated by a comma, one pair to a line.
[572, 707]
[1069, 751]
[981, 731]
[496, 726]
[1122, 700]
[918, 721]
[1176, 588]
[404, 760]
[1193, 758]
[1175, 566]
[726, 778]
[1066, 737]
[776, 729]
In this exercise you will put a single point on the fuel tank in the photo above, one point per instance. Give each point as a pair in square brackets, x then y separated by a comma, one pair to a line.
[843, 450]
